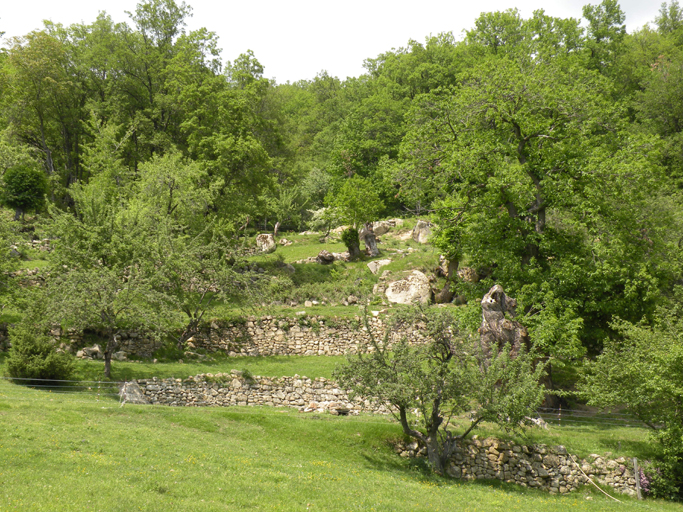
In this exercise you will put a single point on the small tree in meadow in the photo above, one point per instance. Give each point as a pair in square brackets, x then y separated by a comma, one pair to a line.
[441, 379]
[33, 356]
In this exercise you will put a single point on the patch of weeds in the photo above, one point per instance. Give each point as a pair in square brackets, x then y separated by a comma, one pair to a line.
[248, 376]
[217, 379]
[169, 351]
[376, 301]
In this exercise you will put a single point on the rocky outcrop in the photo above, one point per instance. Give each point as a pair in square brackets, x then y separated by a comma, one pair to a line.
[266, 242]
[410, 290]
[496, 330]
[130, 392]
[421, 232]
[338, 256]
[325, 257]
[374, 266]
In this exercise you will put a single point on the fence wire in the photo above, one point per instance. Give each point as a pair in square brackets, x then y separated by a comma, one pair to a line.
[80, 391]
[576, 417]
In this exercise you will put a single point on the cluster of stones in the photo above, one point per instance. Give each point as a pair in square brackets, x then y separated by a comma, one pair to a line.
[296, 336]
[133, 342]
[549, 468]
[43, 245]
[230, 389]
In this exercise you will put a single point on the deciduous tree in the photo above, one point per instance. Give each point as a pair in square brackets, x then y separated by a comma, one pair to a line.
[444, 378]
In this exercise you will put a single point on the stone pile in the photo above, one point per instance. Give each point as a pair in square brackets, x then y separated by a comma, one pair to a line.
[230, 389]
[549, 468]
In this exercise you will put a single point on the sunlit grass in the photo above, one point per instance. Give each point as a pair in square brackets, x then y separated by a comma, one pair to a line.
[64, 454]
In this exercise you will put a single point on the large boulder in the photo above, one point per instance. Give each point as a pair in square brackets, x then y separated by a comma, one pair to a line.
[382, 227]
[266, 242]
[421, 232]
[412, 289]
[374, 266]
[325, 257]
[131, 393]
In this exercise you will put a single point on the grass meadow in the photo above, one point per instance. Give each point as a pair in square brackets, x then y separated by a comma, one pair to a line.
[67, 452]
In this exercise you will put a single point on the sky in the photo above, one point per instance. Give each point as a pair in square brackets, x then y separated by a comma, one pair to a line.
[297, 39]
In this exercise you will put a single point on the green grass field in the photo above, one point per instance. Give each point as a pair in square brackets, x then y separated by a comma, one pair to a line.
[71, 453]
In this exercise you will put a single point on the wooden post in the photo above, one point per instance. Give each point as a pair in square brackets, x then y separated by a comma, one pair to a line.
[637, 477]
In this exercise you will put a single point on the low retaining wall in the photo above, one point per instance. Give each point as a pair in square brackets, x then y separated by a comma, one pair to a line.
[267, 336]
[226, 389]
[549, 468]
[303, 336]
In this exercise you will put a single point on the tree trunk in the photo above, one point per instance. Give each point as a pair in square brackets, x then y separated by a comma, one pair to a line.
[446, 294]
[370, 240]
[18, 214]
[434, 455]
[112, 344]
[190, 330]
[354, 251]
[277, 226]
[107, 363]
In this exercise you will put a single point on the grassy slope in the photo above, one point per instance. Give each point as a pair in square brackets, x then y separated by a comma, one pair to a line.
[64, 453]
[80, 455]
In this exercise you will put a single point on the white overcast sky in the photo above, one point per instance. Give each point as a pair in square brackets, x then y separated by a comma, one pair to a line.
[296, 39]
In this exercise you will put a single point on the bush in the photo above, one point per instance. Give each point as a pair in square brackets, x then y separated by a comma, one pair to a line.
[32, 356]
[24, 189]
[351, 240]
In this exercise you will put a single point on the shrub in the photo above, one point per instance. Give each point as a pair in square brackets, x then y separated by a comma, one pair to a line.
[351, 240]
[32, 356]
[349, 237]
[24, 189]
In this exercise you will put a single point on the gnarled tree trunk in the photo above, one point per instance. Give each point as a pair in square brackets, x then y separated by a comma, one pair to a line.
[446, 293]
[370, 240]
[497, 331]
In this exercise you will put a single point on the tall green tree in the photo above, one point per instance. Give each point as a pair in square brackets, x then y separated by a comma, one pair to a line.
[518, 157]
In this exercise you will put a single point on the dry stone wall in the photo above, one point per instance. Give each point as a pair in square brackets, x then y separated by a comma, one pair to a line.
[549, 468]
[226, 389]
[305, 336]
[266, 336]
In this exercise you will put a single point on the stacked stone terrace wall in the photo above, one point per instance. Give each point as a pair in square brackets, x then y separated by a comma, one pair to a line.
[226, 389]
[266, 336]
[549, 468]
[305, 336]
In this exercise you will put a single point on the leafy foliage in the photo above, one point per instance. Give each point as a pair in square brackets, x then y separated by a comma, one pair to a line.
[32, 356]
[445, 377]
[642, 370]
[24, 188]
